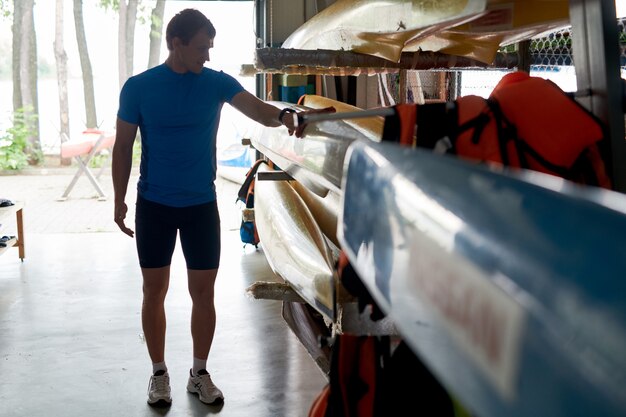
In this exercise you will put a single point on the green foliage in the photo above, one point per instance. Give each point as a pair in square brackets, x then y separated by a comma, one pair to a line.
[5, 8]
[15, 150]
[143, 12]
[157, 23]
[100, 159]
[103, 157]
[107, 5]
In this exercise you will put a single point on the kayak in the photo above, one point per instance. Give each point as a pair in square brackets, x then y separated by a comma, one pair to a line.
[380, 28]
[293, 243]
[508, 285]
[315, 160]
[472, 29]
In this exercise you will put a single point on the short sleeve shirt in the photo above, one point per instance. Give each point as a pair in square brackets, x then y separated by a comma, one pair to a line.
[178, 117]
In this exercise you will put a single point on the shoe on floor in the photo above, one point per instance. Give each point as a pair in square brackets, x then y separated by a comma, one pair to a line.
[159, 392]
[202, 385]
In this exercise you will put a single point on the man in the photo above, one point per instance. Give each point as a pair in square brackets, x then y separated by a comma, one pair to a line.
[176, 107]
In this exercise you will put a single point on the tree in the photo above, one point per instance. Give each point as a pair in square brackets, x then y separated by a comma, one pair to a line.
[61, 65]
[85, 64]
[128, 14]
[17, 37]
[156, 33]
[25, 74]
[126, 37]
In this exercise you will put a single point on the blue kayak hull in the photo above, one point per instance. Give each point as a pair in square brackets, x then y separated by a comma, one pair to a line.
[510, 287]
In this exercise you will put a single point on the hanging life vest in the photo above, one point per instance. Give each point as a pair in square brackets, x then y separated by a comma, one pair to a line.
[247, 229]
[527, 122]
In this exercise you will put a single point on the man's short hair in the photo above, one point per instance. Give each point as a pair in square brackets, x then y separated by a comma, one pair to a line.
[185, 25]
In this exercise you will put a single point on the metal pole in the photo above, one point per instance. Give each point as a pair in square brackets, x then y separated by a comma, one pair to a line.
[299, 118]
[596, 53]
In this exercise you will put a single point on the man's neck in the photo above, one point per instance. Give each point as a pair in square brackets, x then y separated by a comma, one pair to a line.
[174, 65]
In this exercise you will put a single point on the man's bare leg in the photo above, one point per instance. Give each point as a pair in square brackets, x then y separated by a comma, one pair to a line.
[201, 288]
[155, 285]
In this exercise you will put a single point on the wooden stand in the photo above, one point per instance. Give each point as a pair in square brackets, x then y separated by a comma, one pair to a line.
[6, 212]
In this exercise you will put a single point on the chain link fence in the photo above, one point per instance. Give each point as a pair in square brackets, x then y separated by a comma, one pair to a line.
[551, 58]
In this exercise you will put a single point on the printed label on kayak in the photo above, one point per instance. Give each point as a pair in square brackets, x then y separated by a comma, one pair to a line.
[484, 321]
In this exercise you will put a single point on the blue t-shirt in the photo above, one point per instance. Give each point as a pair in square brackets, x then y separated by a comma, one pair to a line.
[178, 116]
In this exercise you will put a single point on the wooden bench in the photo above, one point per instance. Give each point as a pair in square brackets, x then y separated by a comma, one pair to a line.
[5, 212]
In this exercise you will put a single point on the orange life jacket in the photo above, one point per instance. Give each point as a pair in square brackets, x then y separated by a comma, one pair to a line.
[527, 122]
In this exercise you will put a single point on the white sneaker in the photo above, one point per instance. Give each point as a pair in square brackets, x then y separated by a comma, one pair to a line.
[159, 393]
[202, 385]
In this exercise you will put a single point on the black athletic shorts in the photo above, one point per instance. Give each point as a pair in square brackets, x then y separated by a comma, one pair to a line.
[156, 227]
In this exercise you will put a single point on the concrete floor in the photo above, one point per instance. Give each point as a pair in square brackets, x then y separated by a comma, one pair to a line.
[70, 333]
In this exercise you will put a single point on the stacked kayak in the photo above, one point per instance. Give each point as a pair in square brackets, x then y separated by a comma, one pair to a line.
[510, 287]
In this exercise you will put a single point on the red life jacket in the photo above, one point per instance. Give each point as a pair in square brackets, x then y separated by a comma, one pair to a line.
[527, 122]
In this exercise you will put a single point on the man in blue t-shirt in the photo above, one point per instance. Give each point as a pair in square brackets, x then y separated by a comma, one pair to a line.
[176, 107]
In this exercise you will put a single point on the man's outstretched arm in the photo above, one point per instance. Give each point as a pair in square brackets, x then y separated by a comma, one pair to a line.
[260, 111]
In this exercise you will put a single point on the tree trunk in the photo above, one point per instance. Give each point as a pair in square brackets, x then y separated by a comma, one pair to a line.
[156, 33]
[126, 38]
[61, 65]
[85, 64]
[25, 44]
[26, 77]
[34, 92]
[131, 18]
[17, 39]
[121, 44]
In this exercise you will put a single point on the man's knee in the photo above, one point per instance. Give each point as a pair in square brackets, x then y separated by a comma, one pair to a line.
[155, 283]
[201, 285]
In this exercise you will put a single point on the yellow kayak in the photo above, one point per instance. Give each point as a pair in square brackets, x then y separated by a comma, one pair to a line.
[293, 243]
[323, 209]
[473, 29]
[506, 23]
[380, 28]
